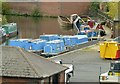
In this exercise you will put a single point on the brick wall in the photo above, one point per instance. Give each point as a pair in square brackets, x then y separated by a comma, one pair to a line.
[62, 77]
[74, 7]
[0, 80]
[13, 80]
[51, 8]
[8, 80]
[22, 7]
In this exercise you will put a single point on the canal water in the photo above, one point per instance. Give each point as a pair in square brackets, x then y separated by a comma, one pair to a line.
[32, 27]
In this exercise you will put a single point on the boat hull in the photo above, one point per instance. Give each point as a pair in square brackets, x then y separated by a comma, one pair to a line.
[10, 29]
[10, 35]
[63, 21]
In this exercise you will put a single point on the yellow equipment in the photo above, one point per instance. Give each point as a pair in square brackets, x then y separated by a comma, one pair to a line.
[110, 50]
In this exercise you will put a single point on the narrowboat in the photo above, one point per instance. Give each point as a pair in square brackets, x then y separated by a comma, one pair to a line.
[81, 39]
[71, 41]
[85, 17]
[37, 45]
[49, 37]
[95, 33]
[32, 45]
[2, 35]
[11, 29]
[54, 47]
[64, 21]
[68, 22]
[18, 42]
[51, 44]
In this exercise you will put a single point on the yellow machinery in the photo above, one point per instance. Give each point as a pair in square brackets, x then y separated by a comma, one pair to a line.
[110, 50]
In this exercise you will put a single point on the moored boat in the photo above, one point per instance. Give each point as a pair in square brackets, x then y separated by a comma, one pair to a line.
[68, 22]
[11, 29]
[2, 35]
[51, 44]
[64, 21]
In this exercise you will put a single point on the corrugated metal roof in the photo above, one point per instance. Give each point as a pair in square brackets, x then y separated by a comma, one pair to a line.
[17, 62]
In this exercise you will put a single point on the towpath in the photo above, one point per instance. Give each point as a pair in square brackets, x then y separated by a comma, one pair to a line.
[87, 64]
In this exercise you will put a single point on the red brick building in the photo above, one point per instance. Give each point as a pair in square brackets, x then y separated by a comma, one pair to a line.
[50, 8]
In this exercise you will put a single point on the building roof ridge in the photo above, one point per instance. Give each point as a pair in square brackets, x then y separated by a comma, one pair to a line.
[28, 61]
[33, 65]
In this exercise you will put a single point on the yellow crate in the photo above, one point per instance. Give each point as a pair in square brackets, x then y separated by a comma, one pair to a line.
[109, 49]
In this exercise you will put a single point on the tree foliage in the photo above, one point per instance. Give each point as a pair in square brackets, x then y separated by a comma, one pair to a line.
[5, 8]
[4, 20]
[113, 9]
[94, 7]
[36, 12]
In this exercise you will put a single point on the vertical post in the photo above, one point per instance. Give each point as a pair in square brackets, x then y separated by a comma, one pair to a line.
[100, 70]
[116, 22]
[116, 28]
[2, 40]
[98, 35]
[92, 34]
[99, 75]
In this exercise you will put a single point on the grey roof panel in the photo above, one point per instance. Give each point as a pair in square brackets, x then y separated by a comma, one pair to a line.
[18, 62]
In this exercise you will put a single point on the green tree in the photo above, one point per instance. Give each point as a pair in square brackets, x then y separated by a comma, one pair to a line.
[4, 20]
[36, 12]
[94, 7]
[113, 9]
[5, 8]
